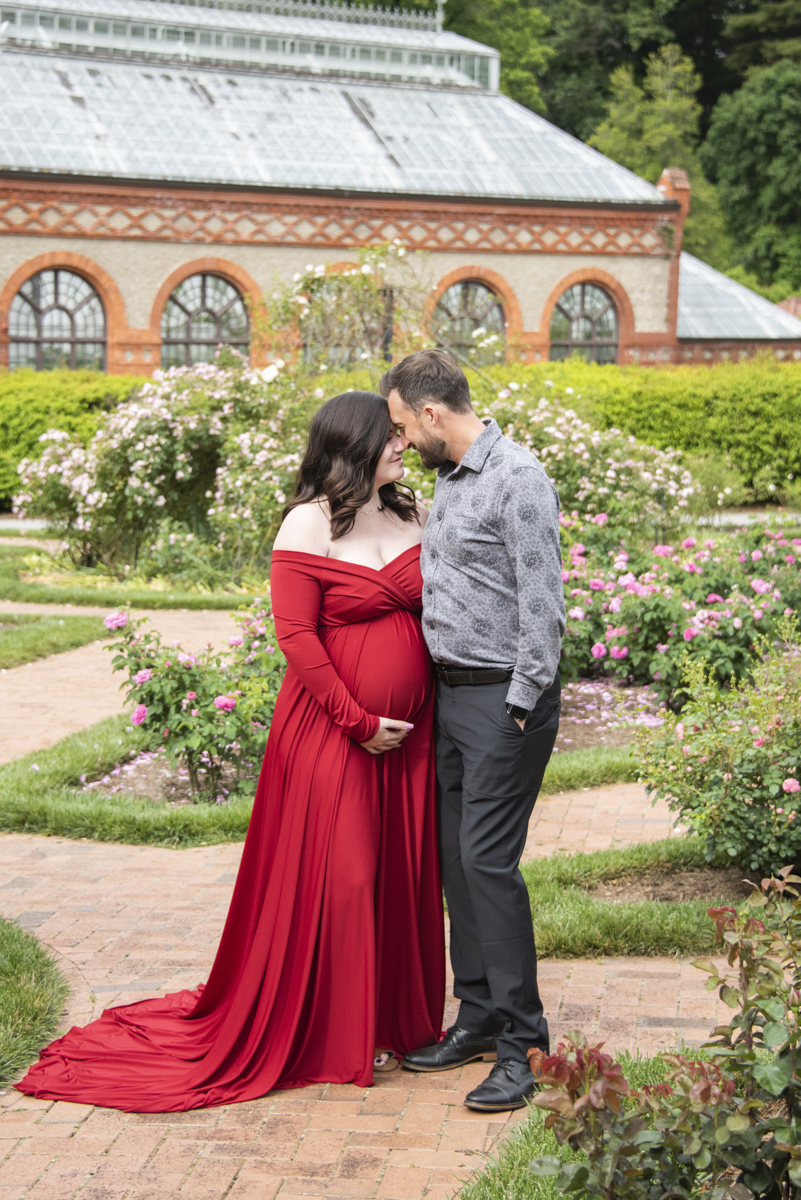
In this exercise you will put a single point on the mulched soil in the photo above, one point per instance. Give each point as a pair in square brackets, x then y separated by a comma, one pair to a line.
[705, 883]
[149, 776]
[603, 713]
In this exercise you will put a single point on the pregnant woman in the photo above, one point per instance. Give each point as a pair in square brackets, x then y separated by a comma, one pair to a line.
[331, 963]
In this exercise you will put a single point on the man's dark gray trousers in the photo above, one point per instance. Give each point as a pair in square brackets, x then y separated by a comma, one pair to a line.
[489, 773]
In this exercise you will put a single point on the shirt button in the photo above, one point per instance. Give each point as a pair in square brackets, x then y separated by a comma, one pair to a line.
[429, 591]
[439, 516]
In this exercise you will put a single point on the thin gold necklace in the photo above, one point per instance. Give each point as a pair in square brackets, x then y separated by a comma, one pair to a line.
[376, 508]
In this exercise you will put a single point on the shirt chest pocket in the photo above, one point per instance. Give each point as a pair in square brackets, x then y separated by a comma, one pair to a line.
[469, 528]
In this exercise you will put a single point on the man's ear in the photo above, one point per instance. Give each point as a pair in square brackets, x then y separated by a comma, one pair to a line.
[432, 414]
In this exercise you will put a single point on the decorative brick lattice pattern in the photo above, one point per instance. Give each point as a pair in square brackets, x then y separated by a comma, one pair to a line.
[207, 219]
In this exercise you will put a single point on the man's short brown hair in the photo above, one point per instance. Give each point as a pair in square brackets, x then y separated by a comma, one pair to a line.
[428, 375]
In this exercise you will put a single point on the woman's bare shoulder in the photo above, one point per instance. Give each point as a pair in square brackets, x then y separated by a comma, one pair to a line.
[306, 529]
[423, 513]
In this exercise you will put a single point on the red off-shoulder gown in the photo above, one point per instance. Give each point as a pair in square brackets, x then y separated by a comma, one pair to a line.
[333, 944]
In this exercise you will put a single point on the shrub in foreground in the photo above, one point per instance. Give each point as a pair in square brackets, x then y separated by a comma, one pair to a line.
[726, 1129]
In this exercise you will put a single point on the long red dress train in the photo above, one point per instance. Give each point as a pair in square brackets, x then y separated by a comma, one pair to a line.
[333, 944]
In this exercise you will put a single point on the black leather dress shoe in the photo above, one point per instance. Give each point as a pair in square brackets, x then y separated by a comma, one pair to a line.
[509, 1085]
[459, 1046]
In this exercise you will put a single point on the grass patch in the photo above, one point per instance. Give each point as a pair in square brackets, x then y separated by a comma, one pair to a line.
[37, 795]
[506, 1176]
[32, 997]
[12, 588]
[570, 923]
[589, 768]
[25, 638]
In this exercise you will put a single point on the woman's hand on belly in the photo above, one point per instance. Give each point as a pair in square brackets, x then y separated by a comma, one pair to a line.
[388, 736]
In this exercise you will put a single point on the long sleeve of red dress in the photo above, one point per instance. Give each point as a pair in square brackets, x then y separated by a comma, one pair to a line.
[296, 597]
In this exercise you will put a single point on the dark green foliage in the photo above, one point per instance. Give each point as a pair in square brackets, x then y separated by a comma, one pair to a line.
[32, 998]
[761, 32]
[514, 27]
[31, 402]
[753, 154]
[655, 126]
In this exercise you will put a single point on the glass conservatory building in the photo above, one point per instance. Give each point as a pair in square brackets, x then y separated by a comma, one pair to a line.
[161, 163]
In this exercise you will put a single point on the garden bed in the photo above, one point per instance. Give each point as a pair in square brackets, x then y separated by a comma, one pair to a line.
[675, 887]
[604, 712]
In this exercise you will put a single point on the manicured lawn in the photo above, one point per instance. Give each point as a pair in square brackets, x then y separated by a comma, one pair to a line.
[32, 998]
[12, 588]
[570, 923]
[25, 638]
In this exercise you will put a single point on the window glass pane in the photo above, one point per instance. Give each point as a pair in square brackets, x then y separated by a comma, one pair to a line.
[202, 311]
[22, 354]
[101, 26]
[21, 318]
[46, 21]
[65, 22]
[56, 356]
[584, 324]
[469, 317]
[56, 323]
[120, 29]
[51, 310]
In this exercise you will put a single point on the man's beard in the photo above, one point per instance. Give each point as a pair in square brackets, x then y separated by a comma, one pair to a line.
[433, 452]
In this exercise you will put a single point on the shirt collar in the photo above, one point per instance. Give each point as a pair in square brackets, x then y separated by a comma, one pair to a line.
[478, 453]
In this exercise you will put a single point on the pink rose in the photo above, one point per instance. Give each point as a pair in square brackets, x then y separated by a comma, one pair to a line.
[191, 695]
[236, 641]
[689, 544]
[619, 652]
[758, 614]
[601, 519]
[662, 647]
[709, 544]
[759, 741]
[714, 598]
[791, 785]
[596, 585]
[579, 548]
[225, 703]
[117, 620]
[138, 715]
[756, 555]
[760, 585]
[565, 577]
[143, 676]
[680, 731]
[663, 551]
[195, 712]
[576, 614]
[598, 650]
[790, 558]
[690, 633]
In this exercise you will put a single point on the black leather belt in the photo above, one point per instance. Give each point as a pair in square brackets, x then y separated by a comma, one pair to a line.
[464, 676]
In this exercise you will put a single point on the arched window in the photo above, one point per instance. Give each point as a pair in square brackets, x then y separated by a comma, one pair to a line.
[57, 319]
[584, 322]
[469, 317]
[202, 312]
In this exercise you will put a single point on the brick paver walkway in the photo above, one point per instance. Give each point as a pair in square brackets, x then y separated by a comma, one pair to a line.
[52, 697]
[129, 922]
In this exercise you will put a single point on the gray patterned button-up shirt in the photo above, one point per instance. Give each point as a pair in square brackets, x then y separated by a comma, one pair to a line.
[492, 570]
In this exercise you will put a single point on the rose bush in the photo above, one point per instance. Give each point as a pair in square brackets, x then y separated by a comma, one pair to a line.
[730, 762]
[208, 711]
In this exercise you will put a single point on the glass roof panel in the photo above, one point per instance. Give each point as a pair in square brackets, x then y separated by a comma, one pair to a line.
[713, 306]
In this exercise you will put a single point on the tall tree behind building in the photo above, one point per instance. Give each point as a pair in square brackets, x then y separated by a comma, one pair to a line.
[763, 32]
[656, 125]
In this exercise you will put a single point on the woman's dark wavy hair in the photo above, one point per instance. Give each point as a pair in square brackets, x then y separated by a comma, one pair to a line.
[347, 437]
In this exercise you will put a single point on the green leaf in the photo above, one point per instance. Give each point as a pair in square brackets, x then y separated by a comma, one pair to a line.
[775, 1034]
[544, 1166]
[729, 996]
[738, 1123]
[772, 1076]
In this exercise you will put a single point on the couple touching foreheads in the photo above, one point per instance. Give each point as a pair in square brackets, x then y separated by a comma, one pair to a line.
[409, 741]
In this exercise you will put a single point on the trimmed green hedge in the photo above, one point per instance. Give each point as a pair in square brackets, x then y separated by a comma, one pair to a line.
[747, 411]
[31, 402]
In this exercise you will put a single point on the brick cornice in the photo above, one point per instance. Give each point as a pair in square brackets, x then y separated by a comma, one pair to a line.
[47, 208]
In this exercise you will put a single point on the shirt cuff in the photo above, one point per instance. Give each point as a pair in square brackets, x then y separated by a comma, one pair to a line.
[524, 695]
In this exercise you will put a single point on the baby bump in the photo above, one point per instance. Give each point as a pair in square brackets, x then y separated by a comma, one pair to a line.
[383, 663]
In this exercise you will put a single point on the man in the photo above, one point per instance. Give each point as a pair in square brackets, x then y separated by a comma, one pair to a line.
[493, 618]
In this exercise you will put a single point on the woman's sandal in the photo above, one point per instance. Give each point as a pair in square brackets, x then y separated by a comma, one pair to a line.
[385, 1062]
